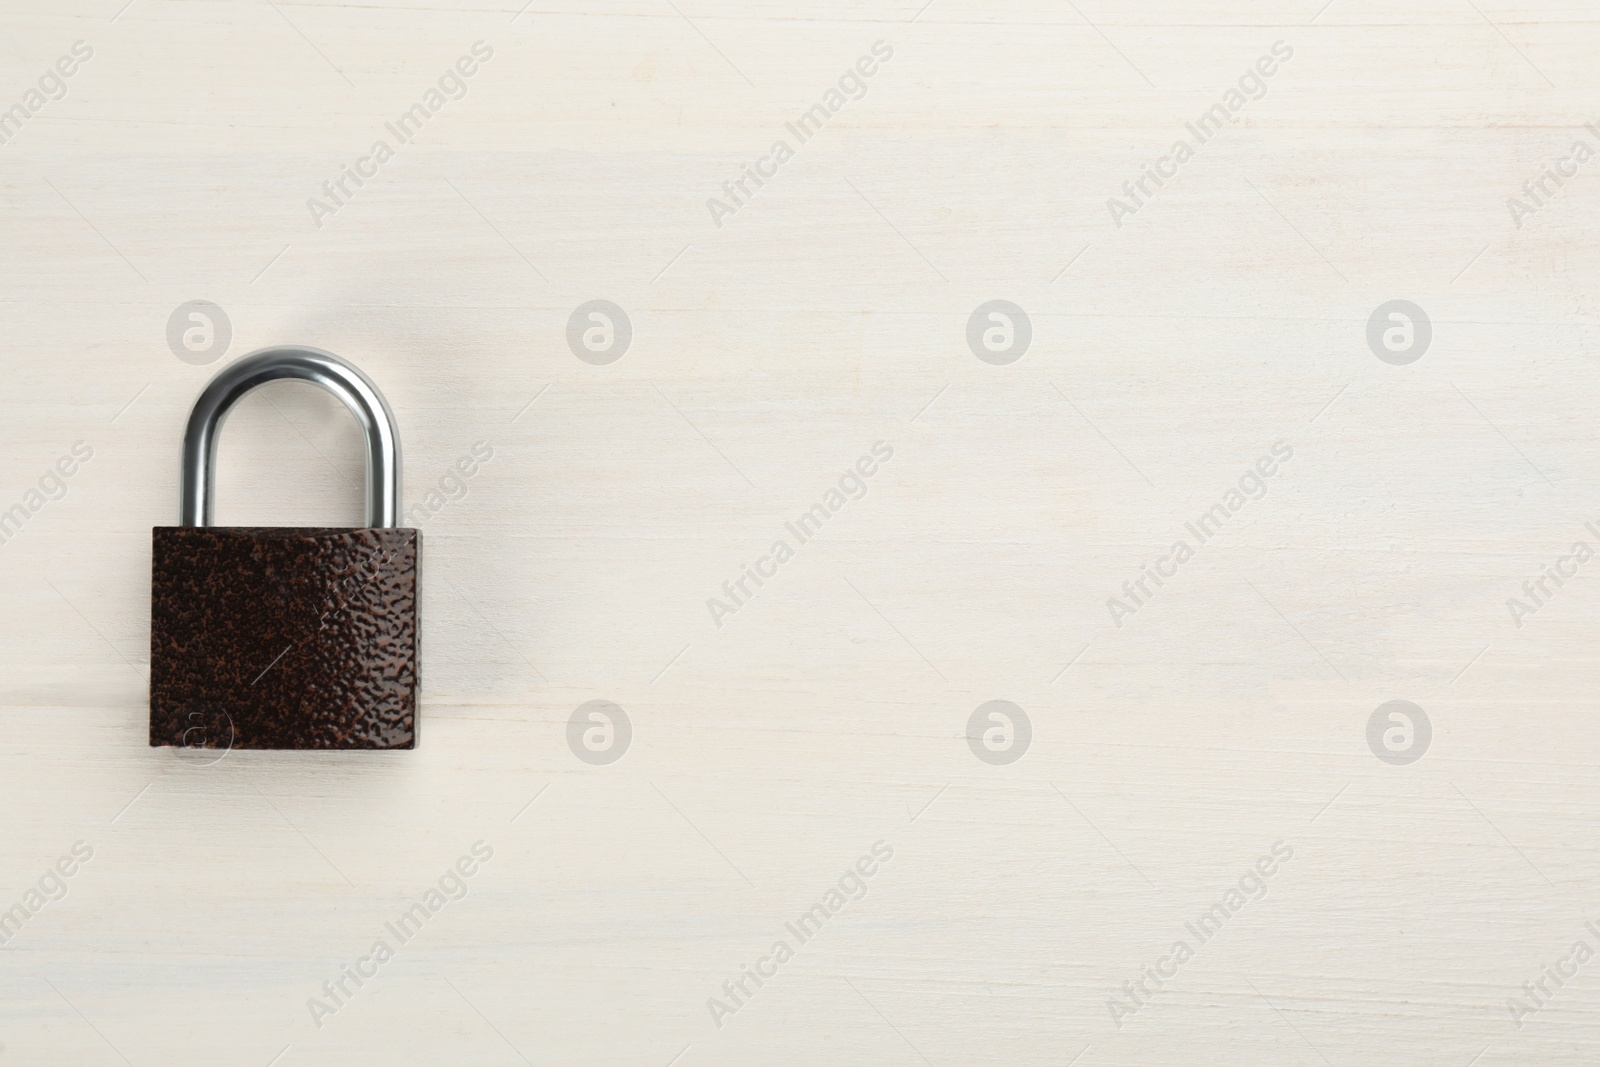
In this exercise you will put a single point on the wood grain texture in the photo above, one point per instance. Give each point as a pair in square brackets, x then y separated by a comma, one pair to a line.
[830, 712]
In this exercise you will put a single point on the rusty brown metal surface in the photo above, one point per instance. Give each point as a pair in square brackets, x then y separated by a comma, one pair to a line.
[284, 638]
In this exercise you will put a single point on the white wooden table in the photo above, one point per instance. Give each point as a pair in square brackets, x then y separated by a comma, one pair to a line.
[775, 337]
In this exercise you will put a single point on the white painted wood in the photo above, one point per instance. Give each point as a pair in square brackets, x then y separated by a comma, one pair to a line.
[829, 713]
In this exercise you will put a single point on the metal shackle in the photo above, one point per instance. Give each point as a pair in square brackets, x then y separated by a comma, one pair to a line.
[332, 373]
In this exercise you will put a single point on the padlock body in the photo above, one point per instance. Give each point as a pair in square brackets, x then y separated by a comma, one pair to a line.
[284, 637]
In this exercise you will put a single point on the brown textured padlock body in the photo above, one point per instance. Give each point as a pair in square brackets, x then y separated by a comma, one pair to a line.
[284, 637]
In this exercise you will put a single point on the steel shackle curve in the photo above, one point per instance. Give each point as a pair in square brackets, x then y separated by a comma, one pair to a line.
[298, 363]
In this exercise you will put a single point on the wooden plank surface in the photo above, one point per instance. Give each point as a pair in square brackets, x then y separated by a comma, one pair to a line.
[1199, 764]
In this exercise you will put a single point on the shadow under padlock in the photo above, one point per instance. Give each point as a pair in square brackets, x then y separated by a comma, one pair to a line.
[303, 637]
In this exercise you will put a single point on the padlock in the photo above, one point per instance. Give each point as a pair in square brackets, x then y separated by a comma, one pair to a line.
[285, 637]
